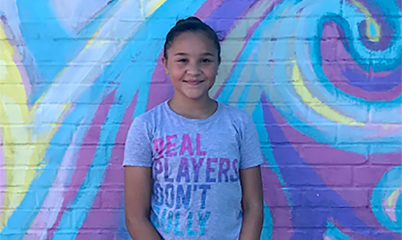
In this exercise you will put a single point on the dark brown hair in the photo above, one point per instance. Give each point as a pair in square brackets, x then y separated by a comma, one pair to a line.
[191, 24]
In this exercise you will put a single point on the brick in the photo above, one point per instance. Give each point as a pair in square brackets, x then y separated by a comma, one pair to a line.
[368, 176]
[114, 177]
[95, 235]
[392, 154]
[327, 176]
[112, 198]
[317, 154]
[102, 219]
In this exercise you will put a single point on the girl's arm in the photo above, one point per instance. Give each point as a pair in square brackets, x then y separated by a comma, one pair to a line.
[137, 202]
[252, 203]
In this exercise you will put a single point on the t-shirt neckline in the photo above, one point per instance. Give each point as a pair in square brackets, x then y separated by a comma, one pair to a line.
[194, 120]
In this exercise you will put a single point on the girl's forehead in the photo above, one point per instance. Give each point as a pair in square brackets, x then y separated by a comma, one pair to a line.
[192, 40]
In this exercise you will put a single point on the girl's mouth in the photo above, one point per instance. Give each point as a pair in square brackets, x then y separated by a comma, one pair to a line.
[193, 82]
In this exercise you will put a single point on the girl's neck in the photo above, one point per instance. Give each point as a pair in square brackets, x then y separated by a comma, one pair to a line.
[194, 109]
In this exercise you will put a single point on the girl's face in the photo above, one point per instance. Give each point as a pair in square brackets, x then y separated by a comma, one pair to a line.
[192, 64]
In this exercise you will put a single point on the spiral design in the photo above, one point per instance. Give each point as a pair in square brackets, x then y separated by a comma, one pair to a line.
[320, 78]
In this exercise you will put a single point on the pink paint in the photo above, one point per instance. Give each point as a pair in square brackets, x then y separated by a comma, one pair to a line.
[84, 160]
[392, 158]
[53, 200]
[320, 154]
[116, 159]
[275, 198]
[336, 72]
[331, 154]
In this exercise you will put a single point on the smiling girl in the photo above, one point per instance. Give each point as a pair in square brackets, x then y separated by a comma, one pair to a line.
[192, 163]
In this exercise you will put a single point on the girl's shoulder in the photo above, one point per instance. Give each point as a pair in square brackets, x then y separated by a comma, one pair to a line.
[150, 118]
[234, 112]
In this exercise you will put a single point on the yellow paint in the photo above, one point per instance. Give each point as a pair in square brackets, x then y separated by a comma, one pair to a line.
[13, 108]
[16, 116]
[151, 9]
[374, 37]
[316, 104]
[391, 200]
[24, 166]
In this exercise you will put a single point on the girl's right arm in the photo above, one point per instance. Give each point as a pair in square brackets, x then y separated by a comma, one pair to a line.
[137, 201]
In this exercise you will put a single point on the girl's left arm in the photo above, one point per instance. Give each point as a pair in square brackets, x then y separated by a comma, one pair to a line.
[252, 203]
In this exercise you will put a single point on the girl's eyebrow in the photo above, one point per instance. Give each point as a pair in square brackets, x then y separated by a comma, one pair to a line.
[185, 54]
[180, 54]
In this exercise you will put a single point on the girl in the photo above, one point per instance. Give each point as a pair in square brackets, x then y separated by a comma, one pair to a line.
[191, 163]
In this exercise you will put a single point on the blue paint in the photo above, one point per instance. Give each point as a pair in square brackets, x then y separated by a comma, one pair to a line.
[267, 225]
[316, 57]
[126, 91]
[308, 217]
[334, 233]
[374, 84]
[389, 182]
[50, 54]
[373, 31]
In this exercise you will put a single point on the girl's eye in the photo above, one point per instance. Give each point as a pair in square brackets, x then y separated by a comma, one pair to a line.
[182, 60]
[206, 60]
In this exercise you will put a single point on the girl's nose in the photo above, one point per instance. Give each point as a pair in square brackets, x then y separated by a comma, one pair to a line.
[193, 69]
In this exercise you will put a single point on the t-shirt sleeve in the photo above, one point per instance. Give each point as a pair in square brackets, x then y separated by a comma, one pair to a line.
[138, 148]
[250, 150]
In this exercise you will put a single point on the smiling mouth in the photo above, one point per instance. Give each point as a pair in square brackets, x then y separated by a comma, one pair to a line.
[193, 82]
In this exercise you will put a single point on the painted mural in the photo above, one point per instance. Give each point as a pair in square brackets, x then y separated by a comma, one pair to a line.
[322, 80]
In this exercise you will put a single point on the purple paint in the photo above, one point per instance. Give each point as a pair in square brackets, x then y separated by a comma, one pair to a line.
[84, 159]
[160, 88]
[276, 199]
[209, 6]
[248, 36]
[373, 83]
[311, 216]
[229, 11]
[386, 158]
[383, 42]
[350, 78]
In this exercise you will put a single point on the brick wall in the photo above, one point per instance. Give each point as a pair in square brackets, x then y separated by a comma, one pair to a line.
[322, 80]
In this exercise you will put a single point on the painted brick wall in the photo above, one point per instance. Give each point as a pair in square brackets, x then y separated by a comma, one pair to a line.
[322, 80]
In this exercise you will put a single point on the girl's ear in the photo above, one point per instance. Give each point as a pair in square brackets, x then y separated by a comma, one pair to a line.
[164, 62]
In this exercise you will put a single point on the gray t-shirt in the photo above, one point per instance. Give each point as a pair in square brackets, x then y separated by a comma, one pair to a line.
[195, 167]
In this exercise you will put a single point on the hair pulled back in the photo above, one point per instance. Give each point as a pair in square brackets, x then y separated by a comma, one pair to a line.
[191, 24]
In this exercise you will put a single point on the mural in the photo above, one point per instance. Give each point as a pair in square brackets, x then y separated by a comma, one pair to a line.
[322, 80]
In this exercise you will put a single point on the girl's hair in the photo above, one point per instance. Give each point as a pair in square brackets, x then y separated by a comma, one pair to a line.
[191, 24]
